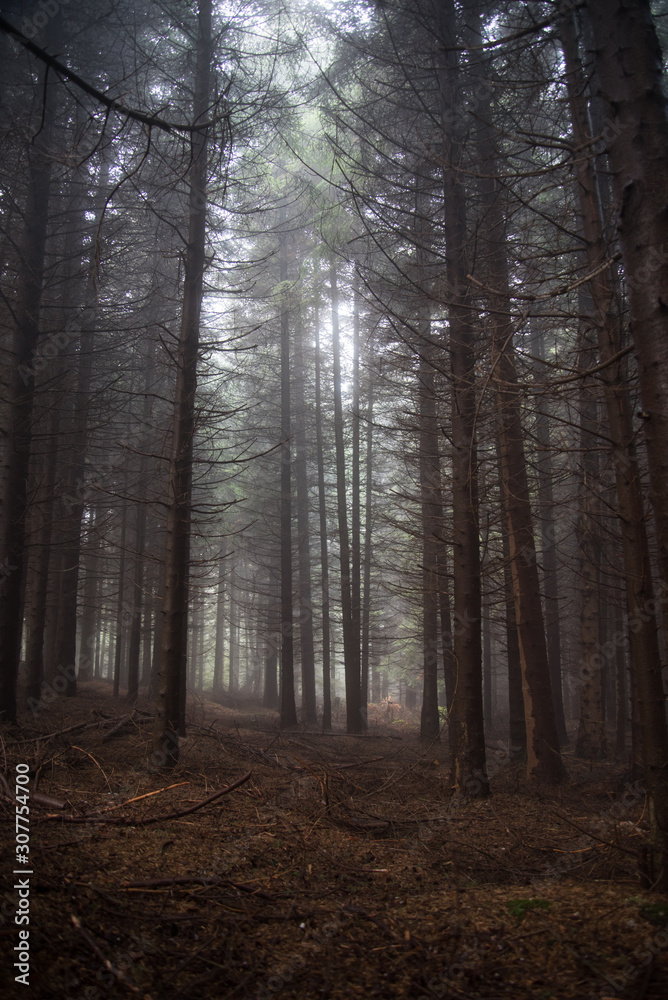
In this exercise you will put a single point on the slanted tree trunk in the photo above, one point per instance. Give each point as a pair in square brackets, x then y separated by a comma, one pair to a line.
[170, 707]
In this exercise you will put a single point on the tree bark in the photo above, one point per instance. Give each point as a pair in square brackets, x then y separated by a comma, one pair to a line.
[355, 717]
[324, 548]
[548, 547]
[170, 707]
[288, 706]
[628, 62]
[468, 735]
[19, 405]
[219, 651]
[543, 755]
[309, 712]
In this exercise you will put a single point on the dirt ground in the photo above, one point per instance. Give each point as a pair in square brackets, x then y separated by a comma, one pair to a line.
[337, 866]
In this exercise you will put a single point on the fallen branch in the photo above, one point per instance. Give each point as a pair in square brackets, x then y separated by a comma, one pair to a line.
[112, 732]
[146, 795]
[159, 883]
[36, 798]
[596, 837]
[128, 821]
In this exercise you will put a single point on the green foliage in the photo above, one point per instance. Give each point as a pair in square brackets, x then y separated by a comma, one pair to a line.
[520, 907]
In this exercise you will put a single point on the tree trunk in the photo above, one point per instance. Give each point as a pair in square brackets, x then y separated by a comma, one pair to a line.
[543, 756]
[219, 652]
[548, 546]
[517, 731]
[430, 502]
[629, 70]
[591, 742]
[120, 610]
[309, 712]
[19, 405]
[355, 717]
[43, 513]
[170, 706]
[355, 516]
[324, 553]
[88, 637]
[366, 557]
[468, 735]
[288, 706]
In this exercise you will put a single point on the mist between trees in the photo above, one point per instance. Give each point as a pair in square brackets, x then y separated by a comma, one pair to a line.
[335, 369]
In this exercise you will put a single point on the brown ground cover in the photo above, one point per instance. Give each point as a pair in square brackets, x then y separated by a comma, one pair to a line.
[340, 867]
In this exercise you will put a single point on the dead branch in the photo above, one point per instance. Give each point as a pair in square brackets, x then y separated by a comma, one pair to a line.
[128, 821]
[112, 732]
[118, 973]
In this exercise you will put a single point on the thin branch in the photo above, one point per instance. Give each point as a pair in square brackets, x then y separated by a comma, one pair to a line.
[152, 121]
[128, 821]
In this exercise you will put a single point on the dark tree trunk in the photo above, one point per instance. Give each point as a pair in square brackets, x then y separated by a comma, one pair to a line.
[628, 62]
[309, 712]
[355, 509]
[88, 637]
[219, 652]
[549, 556]
[543, 756]
[39, 566]
[288, 706]
[170, 706]
[324, 553]
[355, 716]
[468, 735]
[430, 501]
[119, 622]
[19, 395]
[366, 557]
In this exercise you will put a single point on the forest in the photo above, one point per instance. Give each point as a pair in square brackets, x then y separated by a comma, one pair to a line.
[334, 499]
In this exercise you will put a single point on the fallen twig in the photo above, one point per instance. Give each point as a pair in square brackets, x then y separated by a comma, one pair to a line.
[118, 973]
[158, 883]
[146, 795]
[112, 732]
[595, 836]
[128, 821]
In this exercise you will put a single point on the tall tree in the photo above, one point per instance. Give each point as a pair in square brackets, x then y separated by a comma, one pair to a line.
[20, 395]
[468, 737]
[172, 669]
[288, 706]
[355, 714]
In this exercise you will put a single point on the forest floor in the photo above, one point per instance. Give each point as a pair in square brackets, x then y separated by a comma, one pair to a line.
[340, 867]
